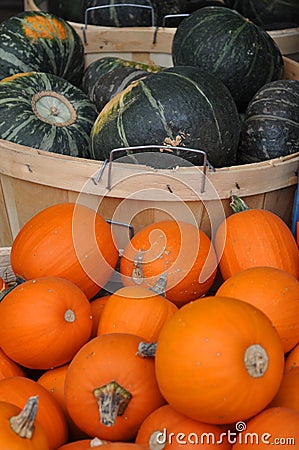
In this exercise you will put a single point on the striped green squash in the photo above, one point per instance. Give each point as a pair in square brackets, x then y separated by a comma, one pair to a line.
[179, 107]
[107, 76]
[41, 42]
[271, 125]
[230, 47]
[46, 112]
[269, 14]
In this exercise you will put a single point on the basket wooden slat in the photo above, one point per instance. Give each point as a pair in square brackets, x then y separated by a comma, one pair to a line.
[5, 268]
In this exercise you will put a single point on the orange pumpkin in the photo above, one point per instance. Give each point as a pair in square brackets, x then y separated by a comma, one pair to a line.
[288, 392]
[273, 427]
[174, 257]
[18, 428]
[168, 429]
[136, 310]
[219, 360]
[292, 359]
[17, 390]
[67, 240]
[97, 306]
[117, 387]
[275, 292]
[53, 380]
[9, 368]
[255, 237]
[49, 318]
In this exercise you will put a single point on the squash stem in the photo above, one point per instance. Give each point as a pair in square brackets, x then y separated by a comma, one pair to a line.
[23, 423]
[112, 400]
[237, 204]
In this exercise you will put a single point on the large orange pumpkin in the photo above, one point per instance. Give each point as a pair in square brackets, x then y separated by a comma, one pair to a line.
[168, 429]
[8, 367]
[49, 318]
[273, 427]
[117, 387]
[255, 237]
[288, 392]
[175, 257]
[17, 390]
[219, 360]
[136, 310]
[272, 290]
[67, 240]
[18, 428]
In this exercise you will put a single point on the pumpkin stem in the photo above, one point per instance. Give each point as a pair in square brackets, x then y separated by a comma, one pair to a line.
[137, 271]
[112, 400]
[147, 349]
[96, 442]
[160, 286]
[157, 441]
[237, 204]
[23, 423]
[69, 315]
[256, 360]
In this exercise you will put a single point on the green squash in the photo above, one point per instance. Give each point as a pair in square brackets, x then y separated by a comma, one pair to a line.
[220, 40]
[119, 16]
[178, 106]
[107, 76]
[46, 112]
[68, 10]
[41, 42]
[271, 124]
[269, 14]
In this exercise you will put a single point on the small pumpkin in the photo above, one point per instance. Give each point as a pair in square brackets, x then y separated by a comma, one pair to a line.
[212, 353]
[17, 390]
[18, 428]
[272, 290]
[49, 317]
[8, 367]
[254, 237]
[274, 426]
[47, 112]
[166, 428]
[230, 47]
[172, 256]
[69, 241]
[53, 380]
[117, 387]
[288, 392]
[136, 310]
[292, 358]
[38, 41]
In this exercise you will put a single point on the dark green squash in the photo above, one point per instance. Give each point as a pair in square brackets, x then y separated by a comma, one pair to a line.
[269, 14]
[119, 16]
[68, 10]
[228, 46]
[107, 76]
[271, 126]
[179, 107]
[46, 112]
[41, 42]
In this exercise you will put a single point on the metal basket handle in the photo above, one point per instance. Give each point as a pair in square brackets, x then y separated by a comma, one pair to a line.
[109, 161]
[170, 16]
[92, 8]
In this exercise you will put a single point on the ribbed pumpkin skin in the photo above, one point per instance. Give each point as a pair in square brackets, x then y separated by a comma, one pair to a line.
[119, 16]
[179, 106]
[271, 123]
[269, 14]
[254, 238]
[41, 110]
[42, 42]
[68, 241]
[228, 46]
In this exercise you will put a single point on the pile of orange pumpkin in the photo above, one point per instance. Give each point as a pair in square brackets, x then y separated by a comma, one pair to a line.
[198, 345]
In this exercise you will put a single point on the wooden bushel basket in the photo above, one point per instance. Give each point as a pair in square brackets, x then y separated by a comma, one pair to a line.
[135, 194]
